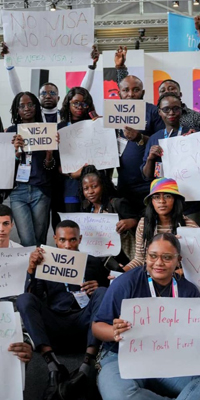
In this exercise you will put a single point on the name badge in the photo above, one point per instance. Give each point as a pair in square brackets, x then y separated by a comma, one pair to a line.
[23, 173]
[81, 298]
[121, 142]
[159, 173]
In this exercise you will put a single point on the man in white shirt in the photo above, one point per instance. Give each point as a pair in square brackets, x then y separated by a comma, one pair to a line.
[6, 225]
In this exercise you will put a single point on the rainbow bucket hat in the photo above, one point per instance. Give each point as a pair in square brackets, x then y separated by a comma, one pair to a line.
[163, 185]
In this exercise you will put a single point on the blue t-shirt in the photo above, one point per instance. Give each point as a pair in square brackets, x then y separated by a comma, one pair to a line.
[133, 284]
[129, 174]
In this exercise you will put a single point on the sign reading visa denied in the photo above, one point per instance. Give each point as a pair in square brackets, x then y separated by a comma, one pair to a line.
[60, 265]
[121, 113]
[38, 136]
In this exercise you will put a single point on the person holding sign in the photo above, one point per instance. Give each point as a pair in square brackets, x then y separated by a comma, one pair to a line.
[164, 213]
[98, 196]
[156, 279]
[77, 106]
[63, 320]
[170, 110]
[131, 185]
[30, 199]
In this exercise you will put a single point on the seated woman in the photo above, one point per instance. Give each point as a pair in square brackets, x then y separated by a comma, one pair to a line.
[77, 106]
[156, 279]
[98, 195]
[164, 213]
[30, 199]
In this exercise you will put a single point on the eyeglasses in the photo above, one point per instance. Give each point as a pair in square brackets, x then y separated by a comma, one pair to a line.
[77, 104]
[50, 92]
[165, 196]
[29, 105]
[175, 109]
[166, 258]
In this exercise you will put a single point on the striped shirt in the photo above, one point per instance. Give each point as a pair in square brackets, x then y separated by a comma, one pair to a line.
[139, 243]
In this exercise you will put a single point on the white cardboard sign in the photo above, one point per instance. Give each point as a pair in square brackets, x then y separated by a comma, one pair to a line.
[164, 340]
[99, 236]
[7, 160]
[10, 332]
[36, 39]
[190, 251]
[38, 136]
[121, 113]
[87, 142]
[60, 265]
[13, 267]
[181, 161]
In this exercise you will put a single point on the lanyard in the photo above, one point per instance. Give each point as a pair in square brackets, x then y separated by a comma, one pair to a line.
[174, 287]
[167, 135]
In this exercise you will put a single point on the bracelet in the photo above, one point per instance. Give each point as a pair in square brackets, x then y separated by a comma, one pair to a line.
[49, 168]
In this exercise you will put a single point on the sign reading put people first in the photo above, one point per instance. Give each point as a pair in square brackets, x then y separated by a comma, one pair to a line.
[38, 136]
[121, 113]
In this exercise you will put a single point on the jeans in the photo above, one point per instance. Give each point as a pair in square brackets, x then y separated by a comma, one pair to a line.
[30, 209]
[112, 387]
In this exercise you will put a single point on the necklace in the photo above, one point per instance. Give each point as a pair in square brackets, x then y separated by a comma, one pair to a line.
[160, 292]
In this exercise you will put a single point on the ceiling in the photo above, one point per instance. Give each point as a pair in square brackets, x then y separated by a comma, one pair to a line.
[117, 22]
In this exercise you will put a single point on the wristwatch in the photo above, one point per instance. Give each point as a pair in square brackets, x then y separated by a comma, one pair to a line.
[141, 141]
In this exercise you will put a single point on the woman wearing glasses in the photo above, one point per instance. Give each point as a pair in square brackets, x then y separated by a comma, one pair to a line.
[30, 199]
[156, 279]
[164, 213]
[77, 106]
[170, 110]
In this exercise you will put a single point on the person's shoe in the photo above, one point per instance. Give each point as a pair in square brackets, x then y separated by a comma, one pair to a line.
[55, 378]
[74, 387]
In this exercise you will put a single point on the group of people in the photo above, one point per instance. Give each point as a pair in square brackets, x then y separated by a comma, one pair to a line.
[150, 211]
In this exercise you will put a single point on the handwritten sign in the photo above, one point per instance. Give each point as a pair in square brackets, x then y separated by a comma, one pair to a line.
[10, 332]
[7, 160]
[190, 251]
[119, 113]
[87, 142]
[38, 136]
[99, 236]
[181, 161]
[165, 334]
[60, 265]
[42, 38]
[13, 267]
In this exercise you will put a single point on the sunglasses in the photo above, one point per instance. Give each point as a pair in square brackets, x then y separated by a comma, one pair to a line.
[50, 92]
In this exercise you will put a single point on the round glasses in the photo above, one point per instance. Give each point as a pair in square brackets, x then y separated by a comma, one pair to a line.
[166, 258]
[77, 104]
[28, 105]
[175, 109]
[164, 196]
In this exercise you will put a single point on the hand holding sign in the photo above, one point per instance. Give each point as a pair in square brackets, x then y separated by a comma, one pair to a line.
[36, 258]
[131, 134]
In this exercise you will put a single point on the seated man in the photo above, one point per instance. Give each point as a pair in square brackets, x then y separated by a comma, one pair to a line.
[6, 225]
[60, 323]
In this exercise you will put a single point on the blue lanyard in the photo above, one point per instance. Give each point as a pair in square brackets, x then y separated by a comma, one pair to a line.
[174, 287]
[167, 135]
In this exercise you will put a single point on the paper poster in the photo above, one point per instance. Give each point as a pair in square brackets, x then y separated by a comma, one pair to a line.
[60, 265]
[164, 340]
[38, 136]
[181, 161]
[13, 267]
[45, 38]
[119, 113]
[7, 160]
[190, 251]
[87, 142]
[10, 332]
[99, 236]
